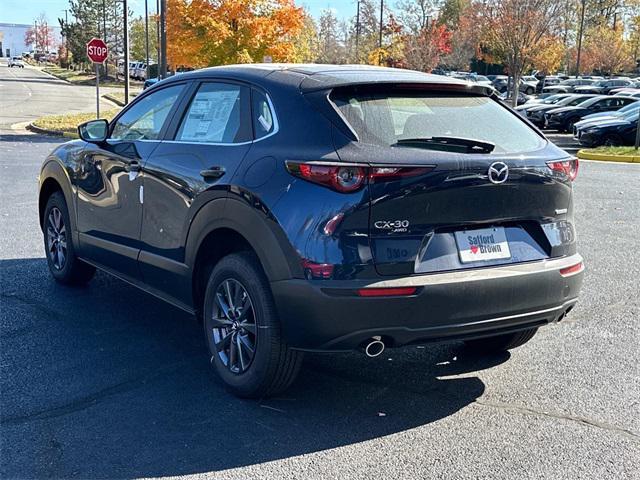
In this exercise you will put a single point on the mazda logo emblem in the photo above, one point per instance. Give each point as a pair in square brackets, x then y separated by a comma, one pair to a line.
[498, 172]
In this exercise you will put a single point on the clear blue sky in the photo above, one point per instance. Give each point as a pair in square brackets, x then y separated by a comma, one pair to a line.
[25, 11]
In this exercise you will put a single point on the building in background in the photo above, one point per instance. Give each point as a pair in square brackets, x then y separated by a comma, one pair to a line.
[12, 39]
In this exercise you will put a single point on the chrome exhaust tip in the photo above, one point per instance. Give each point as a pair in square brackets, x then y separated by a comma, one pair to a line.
[374, 347]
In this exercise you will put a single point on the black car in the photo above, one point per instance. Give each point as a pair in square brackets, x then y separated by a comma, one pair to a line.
[603, 87]
[320, 208]
[610, 132]
[536, 114]
[563, 118]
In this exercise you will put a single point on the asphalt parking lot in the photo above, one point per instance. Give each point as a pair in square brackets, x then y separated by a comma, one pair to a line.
[108, 382]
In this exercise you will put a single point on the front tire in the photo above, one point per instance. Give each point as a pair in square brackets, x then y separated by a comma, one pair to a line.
[500, 343]
[243, 332]
[64, 265]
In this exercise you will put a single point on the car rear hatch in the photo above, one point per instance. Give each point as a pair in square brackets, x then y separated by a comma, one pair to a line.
[457, 181]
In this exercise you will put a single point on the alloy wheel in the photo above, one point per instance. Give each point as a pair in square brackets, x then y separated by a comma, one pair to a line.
[56, 238]
[233, 326]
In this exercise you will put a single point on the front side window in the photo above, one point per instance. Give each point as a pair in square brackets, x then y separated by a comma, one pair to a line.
[392, 119]
[145, 118]
[216, 115]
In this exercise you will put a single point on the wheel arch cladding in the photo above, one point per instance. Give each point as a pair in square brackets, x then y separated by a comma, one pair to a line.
[53, 178]
[240, 227]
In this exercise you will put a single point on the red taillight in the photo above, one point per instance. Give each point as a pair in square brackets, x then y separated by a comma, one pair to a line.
[350, 178]
[568, 167]
[572, 270]
[387, 174]
[341, 178]
[387, 292]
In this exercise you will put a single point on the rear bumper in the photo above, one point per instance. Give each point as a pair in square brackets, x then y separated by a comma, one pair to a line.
[329, 316]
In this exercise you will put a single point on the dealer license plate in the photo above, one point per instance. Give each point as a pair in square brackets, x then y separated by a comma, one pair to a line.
[482, 244]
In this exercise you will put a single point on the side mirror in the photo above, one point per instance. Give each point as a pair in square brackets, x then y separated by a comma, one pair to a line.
[94, 131]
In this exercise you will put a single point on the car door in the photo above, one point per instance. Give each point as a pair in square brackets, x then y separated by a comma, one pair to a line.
[109, 182]
[193, 165]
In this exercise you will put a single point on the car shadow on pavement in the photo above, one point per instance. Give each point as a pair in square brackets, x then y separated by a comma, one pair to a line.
[108, 382]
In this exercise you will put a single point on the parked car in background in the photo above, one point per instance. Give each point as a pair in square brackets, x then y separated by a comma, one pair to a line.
[597, 117]
[543, 99]
[567, 86]
[603, 87]
[475, 78]
[506, 97]
[625, 90]
[314, 208]
[563, 118]
[501, 84]
[536, 114]
[610, 132]
[15, 62]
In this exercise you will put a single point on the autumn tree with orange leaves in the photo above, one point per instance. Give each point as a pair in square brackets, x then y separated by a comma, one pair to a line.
[202, 33]
[513, 32]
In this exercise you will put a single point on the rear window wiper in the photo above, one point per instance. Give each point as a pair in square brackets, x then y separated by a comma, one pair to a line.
[448, 144]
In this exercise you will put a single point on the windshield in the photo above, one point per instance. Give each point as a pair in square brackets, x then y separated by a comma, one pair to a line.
[590, 101]
[573, 101]
[554, 98]
[599, 83]
[386, 119]
[631, 116]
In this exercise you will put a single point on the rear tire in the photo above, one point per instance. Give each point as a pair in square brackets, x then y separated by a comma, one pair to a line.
[64, 265]
[243, 334]
[500, 343]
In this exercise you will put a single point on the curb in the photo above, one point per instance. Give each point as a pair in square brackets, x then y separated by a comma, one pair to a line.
[41, 70]
[112, 99]
[55, 133]
[603, 157]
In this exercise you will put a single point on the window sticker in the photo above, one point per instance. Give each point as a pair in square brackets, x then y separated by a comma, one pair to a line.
[209, 115]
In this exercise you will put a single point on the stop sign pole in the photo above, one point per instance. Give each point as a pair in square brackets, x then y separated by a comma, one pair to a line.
[97, 52]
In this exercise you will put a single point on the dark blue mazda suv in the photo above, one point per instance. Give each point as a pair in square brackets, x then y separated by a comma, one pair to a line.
[297, 208]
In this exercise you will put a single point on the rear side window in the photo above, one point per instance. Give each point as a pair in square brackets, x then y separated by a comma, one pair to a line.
[217, 114]
[264, 122]
[386, 119]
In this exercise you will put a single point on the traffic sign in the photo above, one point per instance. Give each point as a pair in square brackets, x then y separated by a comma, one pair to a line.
[97, 50]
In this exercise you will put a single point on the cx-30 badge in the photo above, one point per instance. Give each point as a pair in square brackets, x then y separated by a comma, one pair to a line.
[498, 172]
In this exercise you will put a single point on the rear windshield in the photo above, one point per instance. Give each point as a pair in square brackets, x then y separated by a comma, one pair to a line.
[386, 119]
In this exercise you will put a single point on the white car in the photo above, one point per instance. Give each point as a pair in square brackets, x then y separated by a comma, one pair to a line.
[16, 62]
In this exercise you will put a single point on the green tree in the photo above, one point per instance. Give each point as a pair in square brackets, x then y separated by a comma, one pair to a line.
[451, 12]
[138, 42]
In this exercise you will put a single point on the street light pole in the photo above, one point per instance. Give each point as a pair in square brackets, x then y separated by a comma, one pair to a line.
[380, 32]
[146, 34]
[580, 38]
[104, 35]
[125, 43]
[358, 33]
[163, 39]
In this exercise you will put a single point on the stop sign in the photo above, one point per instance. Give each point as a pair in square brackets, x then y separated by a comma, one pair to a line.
[97, 50]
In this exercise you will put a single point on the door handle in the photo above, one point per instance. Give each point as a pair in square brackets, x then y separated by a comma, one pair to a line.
[212, 173]
[132, 167]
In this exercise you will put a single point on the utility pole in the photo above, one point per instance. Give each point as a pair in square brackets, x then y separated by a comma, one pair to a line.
[158, 35]
[104, 35]
[358, 33]
[163, 39]
[580, 38]
[125, 42]
[146, 34]
[381, 19]
[66, 38]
